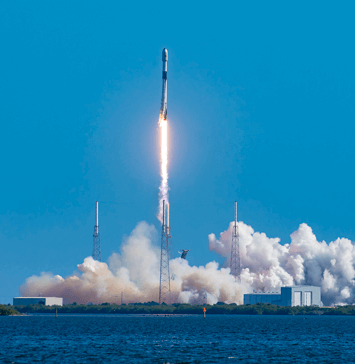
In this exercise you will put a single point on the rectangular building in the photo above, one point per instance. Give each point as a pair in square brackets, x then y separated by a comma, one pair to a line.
[47, 301]
[253, 298]
[289, 296]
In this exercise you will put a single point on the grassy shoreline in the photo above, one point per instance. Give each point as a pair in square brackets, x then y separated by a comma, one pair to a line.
[154, 308]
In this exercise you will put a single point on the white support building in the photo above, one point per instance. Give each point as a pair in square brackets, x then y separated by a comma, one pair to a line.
[47, 301]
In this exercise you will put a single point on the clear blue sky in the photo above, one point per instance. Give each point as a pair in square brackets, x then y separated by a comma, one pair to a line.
[260, 106]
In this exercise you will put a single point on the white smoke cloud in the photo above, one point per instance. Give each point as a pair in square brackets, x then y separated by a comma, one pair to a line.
[267, 265]
[135, 272]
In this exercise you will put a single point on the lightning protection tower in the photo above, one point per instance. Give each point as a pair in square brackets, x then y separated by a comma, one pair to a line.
[96, 250]
[164, 286]
[235, 255]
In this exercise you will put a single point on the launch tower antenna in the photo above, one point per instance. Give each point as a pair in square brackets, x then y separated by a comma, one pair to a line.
[164, 287]
[235, 255]
[96, 250]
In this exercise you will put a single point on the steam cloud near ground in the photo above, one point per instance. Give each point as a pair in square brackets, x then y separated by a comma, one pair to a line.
[266, 266]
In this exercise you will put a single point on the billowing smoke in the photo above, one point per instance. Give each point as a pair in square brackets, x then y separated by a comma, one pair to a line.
[134, 274]
[266, 266]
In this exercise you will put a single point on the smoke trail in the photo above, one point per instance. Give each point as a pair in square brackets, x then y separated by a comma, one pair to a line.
[266, 266]
[164, 187]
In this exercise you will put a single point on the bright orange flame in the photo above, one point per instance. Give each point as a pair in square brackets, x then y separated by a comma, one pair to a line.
[164, 188]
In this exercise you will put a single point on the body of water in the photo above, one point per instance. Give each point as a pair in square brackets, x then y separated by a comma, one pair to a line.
[177, 339]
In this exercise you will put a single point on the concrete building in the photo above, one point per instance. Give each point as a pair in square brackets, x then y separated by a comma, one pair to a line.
[47, 301]
[289, 296]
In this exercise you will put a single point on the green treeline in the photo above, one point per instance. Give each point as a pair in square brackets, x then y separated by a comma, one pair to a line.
[7, 311]
[186, 309]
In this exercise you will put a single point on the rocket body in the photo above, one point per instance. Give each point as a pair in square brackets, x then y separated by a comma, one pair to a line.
[164, 97]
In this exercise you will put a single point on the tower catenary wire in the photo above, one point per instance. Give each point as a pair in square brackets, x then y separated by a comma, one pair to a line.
[166, 249]
[235, 252]
[96, 249]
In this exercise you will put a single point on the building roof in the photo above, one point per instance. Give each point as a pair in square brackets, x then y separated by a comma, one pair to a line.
[301, 285]
[271, 293]
[37, 297]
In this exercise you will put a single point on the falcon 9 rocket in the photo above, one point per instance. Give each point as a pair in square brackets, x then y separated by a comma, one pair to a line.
[164, 97]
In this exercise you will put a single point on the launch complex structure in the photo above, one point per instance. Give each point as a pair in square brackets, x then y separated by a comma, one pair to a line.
[166, 254]
[166, 251]
[235, 249]
[96, 249]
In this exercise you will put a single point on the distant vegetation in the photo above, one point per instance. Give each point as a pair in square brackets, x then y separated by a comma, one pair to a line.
[219, 308]
[7, 311]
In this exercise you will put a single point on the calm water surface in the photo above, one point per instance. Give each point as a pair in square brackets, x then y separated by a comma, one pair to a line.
[177, 339]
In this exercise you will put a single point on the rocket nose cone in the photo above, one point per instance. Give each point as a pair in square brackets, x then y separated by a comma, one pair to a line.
[165, 54]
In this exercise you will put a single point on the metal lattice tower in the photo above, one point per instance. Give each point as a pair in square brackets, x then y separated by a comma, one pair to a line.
[96, 250]
[235, 255]
[166, 248]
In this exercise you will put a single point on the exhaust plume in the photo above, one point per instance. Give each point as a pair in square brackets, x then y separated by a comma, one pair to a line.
[164, 187]
[266, 266]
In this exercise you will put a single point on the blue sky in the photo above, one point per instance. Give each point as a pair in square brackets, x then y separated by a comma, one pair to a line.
[260, 106]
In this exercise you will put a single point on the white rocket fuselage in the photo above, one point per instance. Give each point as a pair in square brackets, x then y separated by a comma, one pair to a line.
[164, 97]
